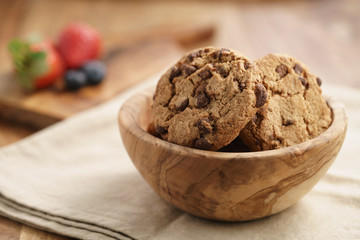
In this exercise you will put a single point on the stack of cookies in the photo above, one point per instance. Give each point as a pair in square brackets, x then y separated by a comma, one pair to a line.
[213, 96]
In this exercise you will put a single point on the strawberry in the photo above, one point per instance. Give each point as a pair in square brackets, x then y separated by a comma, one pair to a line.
[79, 43]
[37, 64]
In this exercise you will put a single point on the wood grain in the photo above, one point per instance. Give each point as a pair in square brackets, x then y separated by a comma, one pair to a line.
[324, 34]
[12, 132]
[124, 54]
[9, 230]
[48, 106]
[227, 186]
[29, 233]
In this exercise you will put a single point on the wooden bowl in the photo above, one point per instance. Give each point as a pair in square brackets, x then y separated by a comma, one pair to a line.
[227, 186]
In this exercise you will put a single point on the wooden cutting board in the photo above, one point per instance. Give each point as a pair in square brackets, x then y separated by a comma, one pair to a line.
[126, 67]
[128, 60]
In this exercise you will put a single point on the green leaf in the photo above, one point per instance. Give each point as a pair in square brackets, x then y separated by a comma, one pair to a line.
[38, 65]
[18, 48]
[19, 51]
[28, 64]
[38, 55]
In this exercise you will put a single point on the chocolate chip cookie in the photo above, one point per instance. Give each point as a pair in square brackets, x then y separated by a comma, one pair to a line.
[206, 98]
[296, 110]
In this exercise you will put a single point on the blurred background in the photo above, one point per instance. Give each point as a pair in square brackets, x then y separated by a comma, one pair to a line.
[142, 38]
[325, 34]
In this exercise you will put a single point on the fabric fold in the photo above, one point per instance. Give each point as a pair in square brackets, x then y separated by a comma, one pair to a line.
[16, 211]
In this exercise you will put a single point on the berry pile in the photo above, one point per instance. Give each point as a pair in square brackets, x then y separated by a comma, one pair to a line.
[91, 73]
[39, 63]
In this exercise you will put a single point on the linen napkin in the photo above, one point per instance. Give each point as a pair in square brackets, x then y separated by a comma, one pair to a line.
[76, 179]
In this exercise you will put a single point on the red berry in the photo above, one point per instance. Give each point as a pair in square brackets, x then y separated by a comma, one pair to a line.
[37, 64]
[54, 63]
[79, 43]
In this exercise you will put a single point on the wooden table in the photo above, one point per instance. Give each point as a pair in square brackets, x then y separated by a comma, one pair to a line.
[323, 34]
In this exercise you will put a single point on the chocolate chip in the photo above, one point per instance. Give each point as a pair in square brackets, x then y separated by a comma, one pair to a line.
[160, 130]
[298, 69]
[200, 89]
[203, 144]
[319, 82]
[225, 51]
[288, 122]
[216, 55]
[201, 100]
[261, 95]
[202, 120]
[175, 72]
[223, 71]
[222, 52]
[303, 81]
[282, 70]
[183, 105]
[203, 124]
[191, 56]
[205, 74]
[188, 69]
[247, 65]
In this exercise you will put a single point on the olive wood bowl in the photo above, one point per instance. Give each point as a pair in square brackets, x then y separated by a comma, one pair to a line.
[227, 186]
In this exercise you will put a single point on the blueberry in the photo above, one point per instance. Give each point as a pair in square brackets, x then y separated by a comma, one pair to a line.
[95, 71]
[74, 79]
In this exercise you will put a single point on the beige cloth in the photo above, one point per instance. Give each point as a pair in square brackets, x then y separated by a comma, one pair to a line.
[76, 179]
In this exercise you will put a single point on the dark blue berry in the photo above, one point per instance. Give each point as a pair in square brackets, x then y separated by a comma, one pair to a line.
[95, 71]
[74, 79]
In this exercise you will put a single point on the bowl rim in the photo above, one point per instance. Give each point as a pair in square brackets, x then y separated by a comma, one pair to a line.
[127, 118]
